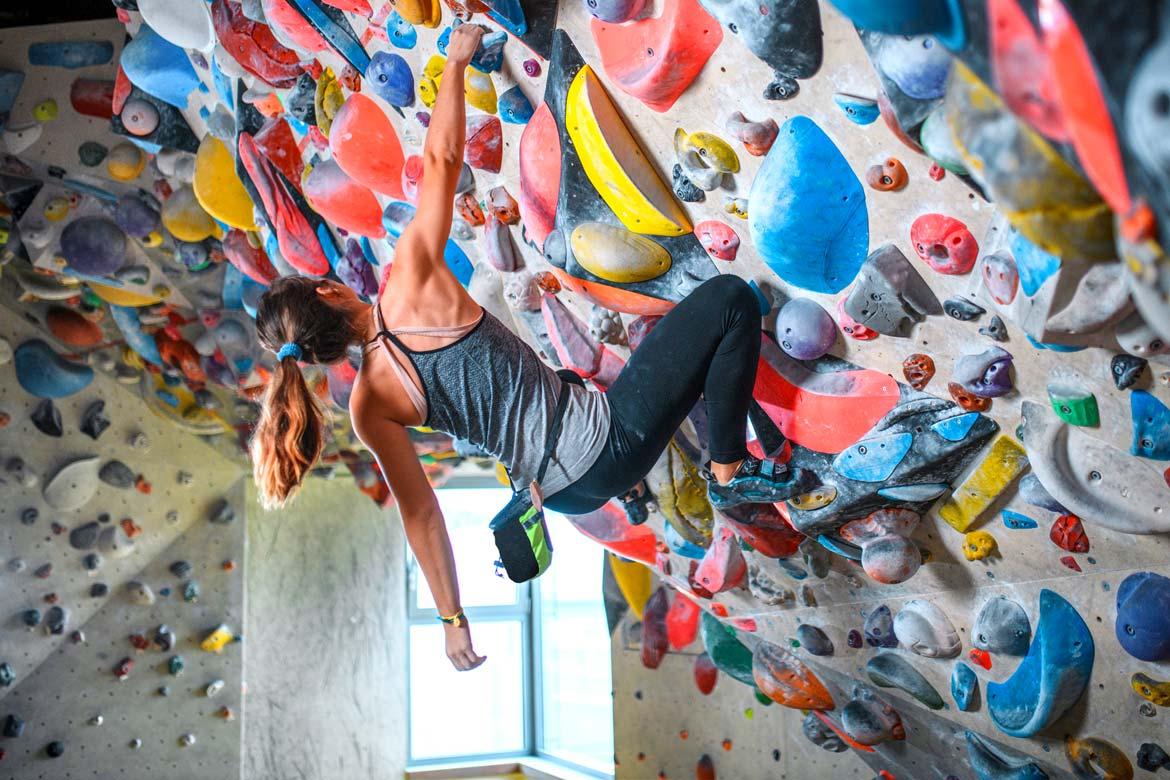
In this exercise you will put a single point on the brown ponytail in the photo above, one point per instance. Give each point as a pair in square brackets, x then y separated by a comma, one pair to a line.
[291, 432]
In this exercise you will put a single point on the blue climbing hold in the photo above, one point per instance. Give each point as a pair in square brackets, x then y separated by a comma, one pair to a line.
[1051, 678]
[336, 32]
[678, 544]
[1143, 616]
[138, 340]
[1151, 426]
[10, 84]
[807, 212]
[401, 32]
[1016, 521]
[45, 374]
[956, 428]
[489, 57]
[990, 764]
[1034, 265]
[944, 19]
[509, 15]
[70, 54]
[514, 106]
[917, 65]
[224, 84]
[391, 79]
[397, 215]
[874, 459]
[159, 68]
[964, 687]
[858, 110]
[925, 491]
[839, 547]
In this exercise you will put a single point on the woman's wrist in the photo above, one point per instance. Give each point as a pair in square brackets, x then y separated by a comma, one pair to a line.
[455, 618]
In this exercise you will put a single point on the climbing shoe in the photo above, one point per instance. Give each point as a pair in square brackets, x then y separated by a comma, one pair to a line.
[758, 482]
[637, 503]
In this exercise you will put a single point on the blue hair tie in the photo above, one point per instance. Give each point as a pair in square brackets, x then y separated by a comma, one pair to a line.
[291, 349]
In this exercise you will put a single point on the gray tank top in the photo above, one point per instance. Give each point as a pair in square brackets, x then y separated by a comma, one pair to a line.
[491, 389]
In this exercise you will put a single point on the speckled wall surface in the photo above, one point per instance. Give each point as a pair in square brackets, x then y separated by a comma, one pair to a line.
[326, 650]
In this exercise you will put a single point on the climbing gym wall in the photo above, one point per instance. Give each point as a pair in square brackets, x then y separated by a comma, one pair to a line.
[326, 649]
[953, 214]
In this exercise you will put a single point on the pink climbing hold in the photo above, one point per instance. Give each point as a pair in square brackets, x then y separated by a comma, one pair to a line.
[1001, 277]
[944, 243]
[485, 143]
[366, 146]
[1021, 69]
[1071, 563]
[609, 527]
[655, 59]
[412, 174]
[718, 238]
[723, 567]
[342, 201]
[248, 260]
[852, 327]
[757, 137]
[540, 174]
[576, 348]
[654, 641]
[359, 7]
[281, 16]
[499, 249]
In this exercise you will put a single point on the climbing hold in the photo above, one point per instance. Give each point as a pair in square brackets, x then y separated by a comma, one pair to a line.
[879, 627]
[366, 146]
[718, 238]
[1002, 627]
[805, 330]
[117, 474]
[1143, 607]
[995, 329]
[73, 484]
[185, 217]
[757, 137]
[1151, 426]
[858, 110]
[139, 593]
[964, 687]
[514, 106]
[479, 90]
[1000, 277]
[868, 720]
[873, 459]
[617, 255]
[987, 375]
[705, 673]
[685, 189]
[890, 296]
[1015, 520]
[1052, 676]
[918, 370]
[1095, 759]
[1071, 399]
[654, 642]
[1126, 370]
[963, 309]
[342, 201]
[84, 537]
[784, 679]
[809, 220]
[13, 726]
[814, 640]
[217, 640]
[990, 764]
[218, 188]
[887, 553]
[72, 328]
[485, 145]
[1069, 534]
[93, 246]
[890, 176]
[391, 79]
[728, 654]
[925, 629]
[944, 243]
[889, 670]
[45, 111]
[978, 545]
[1151, 757]
[969, 401]
[1151, 689]
[125, 162]
[1003, 462]
[851, 327]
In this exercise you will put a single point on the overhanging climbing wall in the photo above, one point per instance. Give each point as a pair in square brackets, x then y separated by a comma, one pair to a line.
[954, 214]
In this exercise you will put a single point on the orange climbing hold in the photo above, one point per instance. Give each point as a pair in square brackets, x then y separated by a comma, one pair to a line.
[656, 59]
[705, 769]
[366, 146]
[890, 176]
[1021, 69]
[784, 679]
[342, 201]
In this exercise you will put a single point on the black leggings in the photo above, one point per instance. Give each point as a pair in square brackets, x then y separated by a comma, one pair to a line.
[707, 345]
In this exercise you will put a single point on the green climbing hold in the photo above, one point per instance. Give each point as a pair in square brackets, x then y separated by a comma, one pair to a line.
[728, 654]
[1071, 399]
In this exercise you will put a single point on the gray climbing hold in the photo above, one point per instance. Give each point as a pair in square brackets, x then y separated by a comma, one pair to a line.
[963, 309]
[890, 296]
[114, 542]
[31, 617]
[879, 627]
[925, 629]
[213, 688]
[47, 419]
[995, 329]
[117, 474]
[870, 721]
[1035, 494]
[94, 421]
[964, 687]
[1126, 370]
[92, 562]
[990, 764]
[20, 473]
[99, 590]
[821, 735]
[816, 557]
[56, 620]
[84, 537]
[164, 638]
[181, 569]
[73, 485]
[13, 726]
[29, 516]
[1151, 757]
[7, 675]
[91, 154]
[889, 670]
[222, 512]
[1002, 626]
[814, 640]
[139, 593]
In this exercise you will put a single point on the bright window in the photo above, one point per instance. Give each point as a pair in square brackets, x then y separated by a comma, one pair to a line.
[545, 689]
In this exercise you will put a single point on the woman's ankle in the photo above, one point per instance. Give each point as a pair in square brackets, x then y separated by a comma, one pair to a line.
[723, 472]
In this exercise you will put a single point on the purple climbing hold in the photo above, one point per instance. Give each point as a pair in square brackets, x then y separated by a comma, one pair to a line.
[805, 330]
[987, 375]
[853, 639]
[879, 628]
[135, 216]
[93, 246]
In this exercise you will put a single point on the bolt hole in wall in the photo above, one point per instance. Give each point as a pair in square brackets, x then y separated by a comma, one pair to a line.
[546, 687]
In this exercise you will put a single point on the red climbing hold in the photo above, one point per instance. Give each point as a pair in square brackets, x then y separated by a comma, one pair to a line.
[980, 658]
[1021, 69]
[1068, 533]
[366, 146]
[609, 527]
[253, 46]
[937, 172]
[706, 674]
[93, 97]
[1070, 562]
[656, 59]
[762, 526]
[718, 238]
[705, 769]
[1086, 115]
[485, 143]
[249, 260]
[284, 17]
[944, 243]
[654, 642]
[540, 174]
[682, 621]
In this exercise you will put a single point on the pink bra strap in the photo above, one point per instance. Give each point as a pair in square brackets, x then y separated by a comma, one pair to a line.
[398, 363]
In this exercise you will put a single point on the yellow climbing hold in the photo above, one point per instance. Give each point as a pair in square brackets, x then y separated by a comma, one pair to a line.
[633, 580]
[218, 188]
[424, 12]
[432, 77]
[815, 499]
[153, 239]
[120, 296]
[978, 545]
[712, 150]
[1150, 689]
[327, 100]
[615, 163]
[185, 218]
[57, 209]
[125, 162]
[1004, 461]
[617, 255]
[45, 111]
[217, 640]
[479, 91]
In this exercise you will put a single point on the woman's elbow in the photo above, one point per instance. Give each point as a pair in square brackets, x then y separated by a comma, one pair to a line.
[442, 156]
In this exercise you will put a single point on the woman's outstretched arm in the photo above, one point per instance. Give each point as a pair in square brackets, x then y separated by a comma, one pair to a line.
[426, 530]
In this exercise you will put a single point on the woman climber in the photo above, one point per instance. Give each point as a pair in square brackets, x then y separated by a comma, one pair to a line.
[434, 357]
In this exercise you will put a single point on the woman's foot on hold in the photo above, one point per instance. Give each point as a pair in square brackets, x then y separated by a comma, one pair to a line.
[637, 502]
[758, 481]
